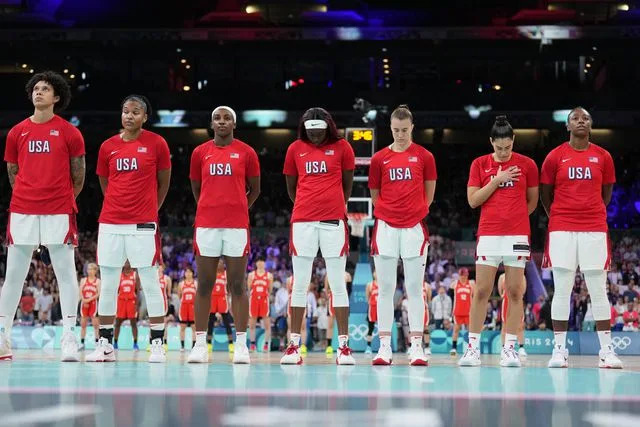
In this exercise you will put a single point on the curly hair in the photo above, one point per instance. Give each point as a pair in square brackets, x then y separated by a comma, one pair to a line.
[60, 88]
[318, 114]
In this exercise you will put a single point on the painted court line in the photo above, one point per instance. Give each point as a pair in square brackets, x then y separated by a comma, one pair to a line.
[50, 414]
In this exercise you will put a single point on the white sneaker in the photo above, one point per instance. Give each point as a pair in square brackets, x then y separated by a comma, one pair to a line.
[417, 356]
[291, 355]
[427, 352]
[453, 352]
[384, 356]
[509, 358]
[522, 353]
[5, 347]
[559, 359]
[104, 352]
[471, 357]
[241, 355]
[609, 359]
[368, 350]
[158, 355]
[69, 345]
[345, 356]
[198, 354]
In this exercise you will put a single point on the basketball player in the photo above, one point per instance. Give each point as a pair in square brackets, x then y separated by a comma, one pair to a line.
[165, 286]
[462, 294]
[303, 329]
[577, 183]
[259, 283]
[46, 167]
[319, 169]
[505, 185]
[220, 305]
[127, 304]
[402, 181]
[332, 312]
[225, 180]
[89, 292]
[504, 311]
[134, 169]
[371, 293]
[187, 293]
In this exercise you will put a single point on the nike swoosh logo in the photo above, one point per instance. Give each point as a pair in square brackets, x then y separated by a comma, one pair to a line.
[304, 154]
[23, 134]
[114, 152]
[565, 160]
[385, 161]
[207, 156]
[108, 353]
[487, 170]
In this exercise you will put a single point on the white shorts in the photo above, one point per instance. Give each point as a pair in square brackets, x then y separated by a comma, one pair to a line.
[570, 249]
[139, 243]
[331, 237]
[45, 230]
[402, 243]
[512, 251]
[213, 242]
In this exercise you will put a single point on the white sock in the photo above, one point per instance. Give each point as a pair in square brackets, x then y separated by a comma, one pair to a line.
[510, 341]
[385, 341]
[416, 341]
[605, 339]
[241, 339]
[560, 339]
[295, 339]
[201, 338]
[64, 267]
[387, 273]
[342, 340]
[474, 340]
[18, 262]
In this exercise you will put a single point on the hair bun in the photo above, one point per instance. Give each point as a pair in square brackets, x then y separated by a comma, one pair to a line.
[501, 120]
[405, 106]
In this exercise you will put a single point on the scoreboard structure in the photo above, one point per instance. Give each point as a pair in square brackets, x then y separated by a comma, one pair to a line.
[359, 205]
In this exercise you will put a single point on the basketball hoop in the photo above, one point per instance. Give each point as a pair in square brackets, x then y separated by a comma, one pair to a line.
[356, 220]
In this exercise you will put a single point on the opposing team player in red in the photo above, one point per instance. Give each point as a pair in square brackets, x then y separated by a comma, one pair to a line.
[259, 283]
[166, 285]
[402, 181]
[187, 293]
[577, 183]
[371, 295]
[462, 293]
[89, 292]
[134, 169]
[504, 310]
[318, 168]
[127, 307]
[220, 305]
[46, 167]
[225, 180]
[505, 185]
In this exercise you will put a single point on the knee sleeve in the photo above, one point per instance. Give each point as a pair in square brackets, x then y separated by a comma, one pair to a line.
[302, 266]
[64, 267]
[109, 282]
[597, 284]
[387, 274]
[563, 284]
[413, 278]
[18, 262]
[335, 274]
[152, 293]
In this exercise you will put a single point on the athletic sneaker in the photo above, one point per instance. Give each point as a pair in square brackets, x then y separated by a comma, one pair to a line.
[384, 356]
[417, 356]
[231, 347]
[198, 354]
[210, 347]
[158, 354]
[5, 347]
[368, 350]
[303, 349]
[427, 352]
[253, 348]
[181, 349]
[609, 359]
[509, 358]
[81, 347]
[471, 357]
[135, 347]
[291, 355]
[559, 359]
[241, 355]
[69, 346]
[266, 348]
[453, 352]
[104, 352]
[345, 356]
[522, 353]
[115, 345]
[329, 350]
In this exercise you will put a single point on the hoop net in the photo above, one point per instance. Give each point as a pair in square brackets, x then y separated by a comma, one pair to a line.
[356, 220]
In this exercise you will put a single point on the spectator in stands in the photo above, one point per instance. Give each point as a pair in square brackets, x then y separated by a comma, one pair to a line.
[322, 322]
[614, 274]
[26, 308]
[619, 309]
[630, 318]
[45, 302]
[441, 307]
[447, 326]
[629, 273]
[631, 293]
[281, 304]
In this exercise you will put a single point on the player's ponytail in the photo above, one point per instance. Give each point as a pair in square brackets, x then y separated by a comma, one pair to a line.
[501, 128]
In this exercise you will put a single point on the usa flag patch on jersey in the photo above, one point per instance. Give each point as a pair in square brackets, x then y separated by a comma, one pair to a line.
[54, 133]
[593, 159]
[413, 159]
[142, 149]
[235, 155]
[329, 153]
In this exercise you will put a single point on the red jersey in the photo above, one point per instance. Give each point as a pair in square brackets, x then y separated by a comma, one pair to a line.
[260, 286]
[127, 289]
[400, 179]
[89, 289]
[132, 170]
[220, 287]
[426, 289]
[630, 317]
[42, 152]
[577, 178]
[505, 212]
[462, 299]
[188, 293]
[373, 294]
[222, 172]
[319, 194]
[163, 284]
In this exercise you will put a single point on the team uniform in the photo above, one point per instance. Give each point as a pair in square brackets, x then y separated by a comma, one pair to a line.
[426, 288]
[222, 215]
[399, 230]
[127, 297]
[89, 289]
[129, 217]
[43, 208]
[503, 232]
[462, 302]
[219, 301]
[163, 287]
[372, 312]
[187, 303]
[259, 295]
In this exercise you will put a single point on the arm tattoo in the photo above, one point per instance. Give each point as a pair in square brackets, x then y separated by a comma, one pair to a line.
[12, 171]
[77, 173]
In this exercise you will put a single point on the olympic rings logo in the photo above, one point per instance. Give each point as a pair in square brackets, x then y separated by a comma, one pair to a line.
[359, 332]
[621, 343]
